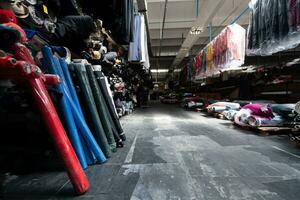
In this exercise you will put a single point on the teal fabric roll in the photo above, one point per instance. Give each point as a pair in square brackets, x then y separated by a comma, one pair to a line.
[91, 109]
[99, 101]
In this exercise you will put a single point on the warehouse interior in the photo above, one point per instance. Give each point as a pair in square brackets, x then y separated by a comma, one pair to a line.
[150, 99]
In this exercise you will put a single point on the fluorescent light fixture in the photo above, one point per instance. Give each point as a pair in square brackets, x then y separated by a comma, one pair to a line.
[196, 30]
[164, 70]
[159, 70]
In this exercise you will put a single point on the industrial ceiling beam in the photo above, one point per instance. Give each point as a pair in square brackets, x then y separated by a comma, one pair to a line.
[202, 21]
[163, 26]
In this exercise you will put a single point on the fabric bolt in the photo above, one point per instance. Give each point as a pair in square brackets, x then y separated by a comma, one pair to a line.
[69, 121]
[7, 16]
[16, 27]
[8, 36]
[260, 110]
[99, 101]
[103, 83]
[33, 78]
[107, 110]
[95, 122]
[20, 51]
[85, 135]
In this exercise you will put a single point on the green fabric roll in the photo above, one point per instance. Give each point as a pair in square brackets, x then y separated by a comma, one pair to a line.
[99, 100]
[96, 125]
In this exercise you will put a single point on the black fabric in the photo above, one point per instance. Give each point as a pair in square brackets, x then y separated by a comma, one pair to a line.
[96, 125]
[101, 81]
[71, 31]
[70, 7]
[116, 15]
[63, 7]
[269, 22]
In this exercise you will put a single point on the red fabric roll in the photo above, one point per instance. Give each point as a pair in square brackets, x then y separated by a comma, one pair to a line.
[16, 27]
[7, 16]
[33, 76]
[21, 52]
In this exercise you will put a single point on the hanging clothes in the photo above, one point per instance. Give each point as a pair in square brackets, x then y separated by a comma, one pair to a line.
[138, 49]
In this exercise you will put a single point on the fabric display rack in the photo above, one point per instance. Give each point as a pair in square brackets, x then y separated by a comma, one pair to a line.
[274, 26]
[74, 67]
[224, 52]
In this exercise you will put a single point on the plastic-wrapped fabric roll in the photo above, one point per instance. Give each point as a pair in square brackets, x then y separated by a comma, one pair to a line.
[81, 125]
[101, 81]
[32, 75]
[92, 109]
[99, 101]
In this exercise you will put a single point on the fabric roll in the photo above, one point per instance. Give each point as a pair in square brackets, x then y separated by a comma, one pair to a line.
[95, 122]
[94, 152]
[99, 101]
[68, 118]
[109, 101]
[33, 78]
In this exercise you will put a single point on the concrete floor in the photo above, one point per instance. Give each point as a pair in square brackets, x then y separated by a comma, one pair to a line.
[173, 154]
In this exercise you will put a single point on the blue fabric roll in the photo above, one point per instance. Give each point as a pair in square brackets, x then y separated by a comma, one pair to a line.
[67, 114]
[54, 67]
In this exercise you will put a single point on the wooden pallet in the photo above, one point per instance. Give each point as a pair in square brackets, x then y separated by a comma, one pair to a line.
[274, 130]
[219, 116]
[269, 130]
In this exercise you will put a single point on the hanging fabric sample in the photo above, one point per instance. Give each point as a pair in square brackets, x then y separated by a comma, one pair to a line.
[226, 51]
[138, 49]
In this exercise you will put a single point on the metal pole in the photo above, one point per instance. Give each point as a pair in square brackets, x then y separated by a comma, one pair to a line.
[242, 14]
[163, 27]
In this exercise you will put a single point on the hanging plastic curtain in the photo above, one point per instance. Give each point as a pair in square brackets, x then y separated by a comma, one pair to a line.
[226, 51]
[274, 26]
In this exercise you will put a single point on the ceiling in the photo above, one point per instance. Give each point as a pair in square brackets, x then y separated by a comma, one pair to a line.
[181, 15]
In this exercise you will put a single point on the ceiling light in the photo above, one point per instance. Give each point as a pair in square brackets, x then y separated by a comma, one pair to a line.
[196, 30]
[159, 70]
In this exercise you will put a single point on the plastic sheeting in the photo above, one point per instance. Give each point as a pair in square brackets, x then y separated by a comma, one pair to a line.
[274, 26]
[226, 51]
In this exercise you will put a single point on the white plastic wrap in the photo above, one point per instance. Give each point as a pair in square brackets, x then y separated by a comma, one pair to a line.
[274, 26]
[226, 51]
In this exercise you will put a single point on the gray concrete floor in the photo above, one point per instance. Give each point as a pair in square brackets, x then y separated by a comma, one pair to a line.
[173, 154]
